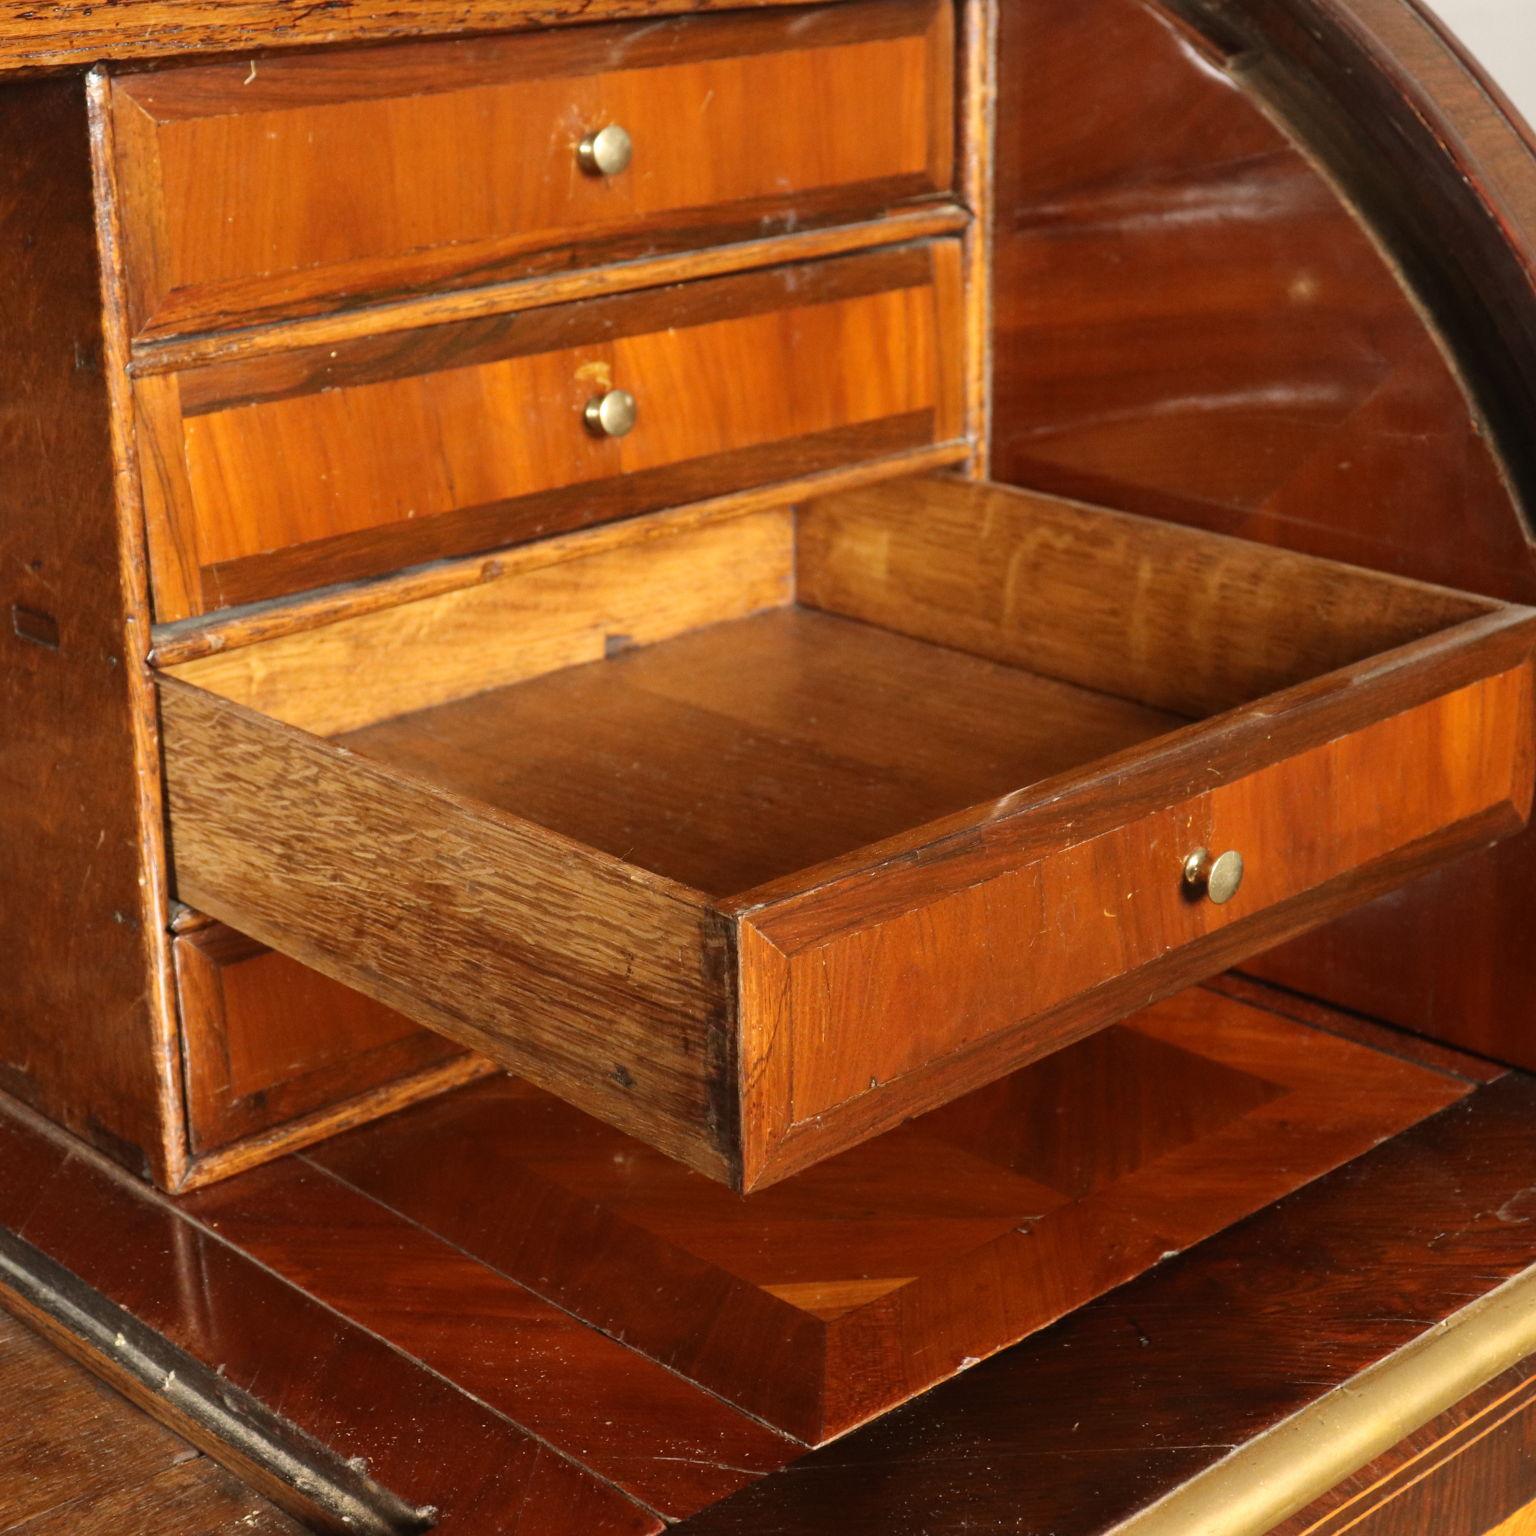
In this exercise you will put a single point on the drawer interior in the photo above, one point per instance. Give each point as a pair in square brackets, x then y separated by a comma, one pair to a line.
[792, 731]
[743, 751]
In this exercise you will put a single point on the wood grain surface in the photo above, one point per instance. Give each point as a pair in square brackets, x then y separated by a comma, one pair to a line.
[273, 474]
[503, 936]
[327, 1377]
[80, 921]
[77, 1460]
[1205, 1354]
[722, 851]
[1268, 368]
[856, 1284]
[268, 1041]
[259, 191]
[60, 35]
[560, 613]
[336, 1308]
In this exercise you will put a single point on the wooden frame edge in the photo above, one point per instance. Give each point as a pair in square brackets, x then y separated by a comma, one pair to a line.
[1283, 1471]
[169, 1161]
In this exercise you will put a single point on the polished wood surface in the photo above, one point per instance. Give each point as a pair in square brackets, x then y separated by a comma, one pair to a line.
[718, 850]
[85, 1028]
[1267, 371]
[1192, 323]
[268, 1041]
[274, 474]
[329, 1379]
[317, 180]
[863, 1281]
[1122, 1403]
[76, 1460]
[334, 1307]
[337, 1291]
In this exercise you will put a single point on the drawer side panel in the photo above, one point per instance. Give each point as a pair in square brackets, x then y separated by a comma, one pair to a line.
[590, 979]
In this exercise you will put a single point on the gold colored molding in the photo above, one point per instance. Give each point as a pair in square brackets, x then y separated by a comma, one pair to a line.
[1283, 1470]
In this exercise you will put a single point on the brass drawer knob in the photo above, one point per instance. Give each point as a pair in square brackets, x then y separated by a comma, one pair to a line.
[606, 152]
[611, 415]
[1217, 878]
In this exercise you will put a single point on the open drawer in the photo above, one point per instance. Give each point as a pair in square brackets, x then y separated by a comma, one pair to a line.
[758, 837]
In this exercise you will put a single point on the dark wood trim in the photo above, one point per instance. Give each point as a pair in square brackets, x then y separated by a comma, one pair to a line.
[293, 1468]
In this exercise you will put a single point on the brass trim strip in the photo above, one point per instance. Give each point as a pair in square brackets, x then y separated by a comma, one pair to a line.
[1286, 1468]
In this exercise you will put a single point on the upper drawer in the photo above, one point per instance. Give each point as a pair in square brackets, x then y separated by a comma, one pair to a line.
[276, 473]
[255, 190]
[756, 881]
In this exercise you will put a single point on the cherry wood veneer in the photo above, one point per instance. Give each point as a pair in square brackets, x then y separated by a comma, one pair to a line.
[1270, 272]
[859, 1283]
[295, 184]
[336, 1291]
[761, 890]
[267, 1041]
[275, 473]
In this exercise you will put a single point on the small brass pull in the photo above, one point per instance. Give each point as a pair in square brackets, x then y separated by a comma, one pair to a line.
[1217, 878]
[606, 152]
[611, 415]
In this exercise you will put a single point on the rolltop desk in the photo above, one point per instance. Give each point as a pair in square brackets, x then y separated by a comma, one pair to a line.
[768, 764]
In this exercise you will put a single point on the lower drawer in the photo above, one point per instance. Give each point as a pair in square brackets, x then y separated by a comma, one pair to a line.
[758, 839]
[267, 1041]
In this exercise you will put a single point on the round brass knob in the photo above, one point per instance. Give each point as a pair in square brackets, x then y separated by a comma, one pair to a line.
[1217, 878]
[611, 415]
[606, 152]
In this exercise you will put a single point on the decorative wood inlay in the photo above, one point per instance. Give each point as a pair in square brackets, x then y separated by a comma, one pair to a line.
[860, 1282]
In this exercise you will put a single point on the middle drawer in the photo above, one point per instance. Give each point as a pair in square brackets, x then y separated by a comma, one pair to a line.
[272, 474]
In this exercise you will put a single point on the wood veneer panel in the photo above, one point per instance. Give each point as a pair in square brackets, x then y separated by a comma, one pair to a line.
[1264, 371]
[417, 1435]
[316, 179]
[273, 474]
[267, 1041]
[85, 1028]
[1204, 1355]
[864, 1280]
[746, 751]
[672, 1445]
[520, 923]
[1268, 367]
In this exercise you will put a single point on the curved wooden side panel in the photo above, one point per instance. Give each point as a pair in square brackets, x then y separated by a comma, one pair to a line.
[1196, 322]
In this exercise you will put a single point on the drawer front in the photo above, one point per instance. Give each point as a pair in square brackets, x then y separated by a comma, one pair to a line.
[268, 1041]
[924, 971]
[257, 190]
[276, 474]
